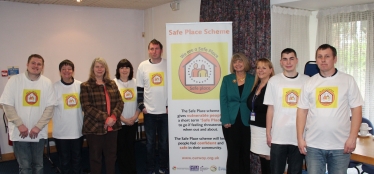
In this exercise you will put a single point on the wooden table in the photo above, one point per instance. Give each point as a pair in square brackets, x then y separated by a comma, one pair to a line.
[364, 151]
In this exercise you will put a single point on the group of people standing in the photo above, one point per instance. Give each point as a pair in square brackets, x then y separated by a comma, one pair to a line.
[103, 110]
[283, 118]
[289, 116]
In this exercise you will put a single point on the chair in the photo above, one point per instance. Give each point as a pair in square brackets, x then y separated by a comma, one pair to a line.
[354, 164]
[311, 68]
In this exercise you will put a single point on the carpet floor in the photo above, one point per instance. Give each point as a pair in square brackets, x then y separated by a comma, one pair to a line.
[11, 167]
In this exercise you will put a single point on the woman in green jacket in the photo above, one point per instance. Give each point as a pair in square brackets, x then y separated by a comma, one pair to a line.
[234, 92]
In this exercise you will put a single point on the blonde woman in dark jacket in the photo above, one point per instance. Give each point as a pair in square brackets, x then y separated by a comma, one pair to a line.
[102, 106]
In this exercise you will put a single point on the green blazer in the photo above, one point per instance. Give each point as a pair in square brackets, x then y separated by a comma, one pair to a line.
[231, 101]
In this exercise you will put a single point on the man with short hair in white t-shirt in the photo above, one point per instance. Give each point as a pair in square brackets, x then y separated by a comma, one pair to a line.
[152, 99]
[282, 93]
[28, 100]
[325, 133]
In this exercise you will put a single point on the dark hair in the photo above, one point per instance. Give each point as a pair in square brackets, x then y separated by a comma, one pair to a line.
[66, 62]
[288, 51]
[327, 46]
[35, 56]
[124, 63]
[155, 42]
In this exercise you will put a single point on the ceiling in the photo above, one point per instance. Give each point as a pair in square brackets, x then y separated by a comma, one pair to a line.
[322, 4]
[125, 4]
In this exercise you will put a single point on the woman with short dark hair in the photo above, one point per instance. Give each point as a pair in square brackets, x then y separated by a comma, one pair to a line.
[129, 117]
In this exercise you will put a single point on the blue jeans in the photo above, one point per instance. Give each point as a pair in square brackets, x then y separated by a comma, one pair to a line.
[70, 155]
[316, 160]
[156, 124]
[29, 156]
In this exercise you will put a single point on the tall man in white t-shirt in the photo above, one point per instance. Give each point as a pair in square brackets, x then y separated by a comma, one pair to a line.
[28, 100]
[282, 93]
[325, 133]
[152, 99]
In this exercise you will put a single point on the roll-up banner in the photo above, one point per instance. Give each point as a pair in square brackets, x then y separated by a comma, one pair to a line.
[198, 57]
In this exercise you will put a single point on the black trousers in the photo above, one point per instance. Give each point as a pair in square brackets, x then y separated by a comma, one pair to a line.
[238, 143]
[70, 155]
[100, 145]
[280, 153]
[126, 149]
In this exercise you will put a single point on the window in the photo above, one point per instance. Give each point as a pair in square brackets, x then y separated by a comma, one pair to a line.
[351, 30]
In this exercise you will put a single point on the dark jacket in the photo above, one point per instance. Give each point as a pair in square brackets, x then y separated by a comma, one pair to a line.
[93, 103]
[231, 101]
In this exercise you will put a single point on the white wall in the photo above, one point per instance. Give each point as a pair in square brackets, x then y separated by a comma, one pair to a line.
[65, 32]
[155, 19]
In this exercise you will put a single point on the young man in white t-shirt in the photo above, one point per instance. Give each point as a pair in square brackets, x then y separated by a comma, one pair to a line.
[152, 99]
[282, 93]
[28, 100]
[325, 133]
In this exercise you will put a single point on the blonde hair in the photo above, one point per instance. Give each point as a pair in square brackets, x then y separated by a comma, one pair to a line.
[102, 61]
[266, 62]
[241, 57]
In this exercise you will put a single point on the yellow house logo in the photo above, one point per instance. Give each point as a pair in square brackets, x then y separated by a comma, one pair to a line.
[199, 72]
[291, 98]
[326, 97]
[128, 94]
[31, 98]
[157, 78]
[71, 101]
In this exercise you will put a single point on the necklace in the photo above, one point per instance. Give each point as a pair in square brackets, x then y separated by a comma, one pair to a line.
[241, 79]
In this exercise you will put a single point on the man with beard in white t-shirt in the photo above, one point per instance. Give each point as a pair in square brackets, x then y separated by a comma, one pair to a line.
[325, 133]
[282, 93]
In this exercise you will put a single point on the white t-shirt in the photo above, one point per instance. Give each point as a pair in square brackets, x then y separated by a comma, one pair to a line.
[129, 96]
[68, 116]
[29, 98]
[329, 101]
[283, 93]
[152, 77]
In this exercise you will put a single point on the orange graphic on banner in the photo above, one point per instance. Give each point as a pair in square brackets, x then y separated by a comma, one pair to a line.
[199, 72]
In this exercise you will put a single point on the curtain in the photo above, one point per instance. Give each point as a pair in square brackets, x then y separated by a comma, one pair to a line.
[351, 29]
[250, 24]
[251, 33]
[290, 29]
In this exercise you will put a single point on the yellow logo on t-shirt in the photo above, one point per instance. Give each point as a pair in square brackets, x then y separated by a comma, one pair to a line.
[290, 97]
[327, 97]
[71, 101]
[31, 97]
[127, 94]
[157, 79]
